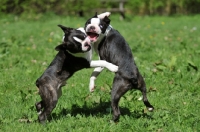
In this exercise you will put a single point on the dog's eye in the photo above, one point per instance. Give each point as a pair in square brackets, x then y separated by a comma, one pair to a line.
[87, 22]
[100, 26]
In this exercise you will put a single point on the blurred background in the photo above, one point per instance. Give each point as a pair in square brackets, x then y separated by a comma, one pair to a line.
[85, 7]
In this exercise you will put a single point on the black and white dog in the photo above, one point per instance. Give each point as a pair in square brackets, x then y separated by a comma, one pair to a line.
[74, 54]
[112, 47]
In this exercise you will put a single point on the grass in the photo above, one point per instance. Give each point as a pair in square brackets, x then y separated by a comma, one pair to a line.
[166, 50]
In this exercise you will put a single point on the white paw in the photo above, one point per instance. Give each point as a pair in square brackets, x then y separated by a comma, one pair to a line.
[92, 85]
[40, 112]
[113, 68]
[140, 98]
[150, 109]
[92, 89]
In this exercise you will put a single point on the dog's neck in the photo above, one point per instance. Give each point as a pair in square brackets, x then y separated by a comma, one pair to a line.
[108, 30]
[101, 37]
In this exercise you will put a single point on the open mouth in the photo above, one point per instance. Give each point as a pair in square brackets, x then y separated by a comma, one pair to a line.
[92, 36]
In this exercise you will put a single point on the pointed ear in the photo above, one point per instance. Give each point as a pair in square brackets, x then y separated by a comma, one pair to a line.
[96, 15]
[65, 29]
[102, 15]
[106, 19]
[61, 47]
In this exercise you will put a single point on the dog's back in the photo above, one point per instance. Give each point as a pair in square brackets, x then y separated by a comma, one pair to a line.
[116, 50]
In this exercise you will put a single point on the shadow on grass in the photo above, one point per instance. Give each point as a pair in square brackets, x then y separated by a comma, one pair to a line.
[99, 111]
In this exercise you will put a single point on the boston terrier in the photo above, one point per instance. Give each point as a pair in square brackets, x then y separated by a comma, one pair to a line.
[112, 47]
[74, 54]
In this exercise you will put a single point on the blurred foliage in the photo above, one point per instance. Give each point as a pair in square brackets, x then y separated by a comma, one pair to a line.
[164, 7]
[81, 7]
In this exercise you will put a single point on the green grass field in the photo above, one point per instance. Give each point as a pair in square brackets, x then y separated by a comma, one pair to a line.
[166, 51]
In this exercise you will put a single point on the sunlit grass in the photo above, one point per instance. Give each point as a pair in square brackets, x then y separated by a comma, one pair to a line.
[166, 50]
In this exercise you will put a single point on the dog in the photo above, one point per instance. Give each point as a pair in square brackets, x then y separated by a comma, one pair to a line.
[73, 54]
[112, 47]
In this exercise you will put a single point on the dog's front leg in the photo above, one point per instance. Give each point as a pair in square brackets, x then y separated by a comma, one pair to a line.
[103, 63]
[93, 77]
[100, 64]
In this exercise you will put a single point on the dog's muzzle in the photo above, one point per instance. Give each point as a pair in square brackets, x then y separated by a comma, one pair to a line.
[92, 36]
[92, 33]
[88, 46]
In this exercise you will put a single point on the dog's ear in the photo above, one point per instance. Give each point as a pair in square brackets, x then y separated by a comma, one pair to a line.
[65, 29]
[61, 47]
[102, 15]
[95, 15]
[106, 19]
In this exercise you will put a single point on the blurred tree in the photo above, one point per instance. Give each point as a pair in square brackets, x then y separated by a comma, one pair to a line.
[81, 7]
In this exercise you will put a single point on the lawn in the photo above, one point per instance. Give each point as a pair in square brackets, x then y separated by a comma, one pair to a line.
[166, 51]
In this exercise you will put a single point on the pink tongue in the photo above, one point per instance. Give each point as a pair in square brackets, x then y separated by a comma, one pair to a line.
[93, 38]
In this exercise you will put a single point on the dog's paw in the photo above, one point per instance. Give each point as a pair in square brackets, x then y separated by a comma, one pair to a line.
[91, 87]
[113, 68]
[92, 84]
[38, 106]
[42, 118]
[150, 109]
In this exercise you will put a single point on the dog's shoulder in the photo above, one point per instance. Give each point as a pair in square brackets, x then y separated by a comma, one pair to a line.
[114, 32]
[114, 36]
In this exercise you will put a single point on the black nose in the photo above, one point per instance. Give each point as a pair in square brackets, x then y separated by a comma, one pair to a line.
[86, 44]
[92, 27]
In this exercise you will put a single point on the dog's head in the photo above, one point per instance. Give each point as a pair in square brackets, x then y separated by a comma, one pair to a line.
[74, 40]
[96, 26]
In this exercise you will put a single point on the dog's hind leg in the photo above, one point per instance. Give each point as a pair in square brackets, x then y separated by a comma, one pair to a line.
[120, 87]
[49, 99]
[142, 88]
[39, 106]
